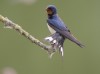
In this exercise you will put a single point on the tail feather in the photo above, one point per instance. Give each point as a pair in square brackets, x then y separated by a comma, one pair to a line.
[76, 41]
[80, 44]
[69, 36]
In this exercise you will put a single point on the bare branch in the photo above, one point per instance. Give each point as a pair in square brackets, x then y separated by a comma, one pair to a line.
[9, 24]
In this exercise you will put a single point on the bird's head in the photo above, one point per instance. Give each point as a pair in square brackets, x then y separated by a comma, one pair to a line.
[51, 10]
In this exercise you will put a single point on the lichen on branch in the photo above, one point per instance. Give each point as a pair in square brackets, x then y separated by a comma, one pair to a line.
[9, 24]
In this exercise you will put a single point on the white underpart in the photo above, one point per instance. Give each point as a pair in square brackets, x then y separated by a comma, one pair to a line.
[49, 39]
[52, 31]
[54, 41]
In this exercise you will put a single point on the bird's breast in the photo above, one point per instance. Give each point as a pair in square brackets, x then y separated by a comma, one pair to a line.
[52, 31]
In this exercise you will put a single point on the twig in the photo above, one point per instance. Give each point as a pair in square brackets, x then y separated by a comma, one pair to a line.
[9, 24]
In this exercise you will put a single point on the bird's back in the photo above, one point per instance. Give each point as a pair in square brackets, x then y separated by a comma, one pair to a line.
[57, 23]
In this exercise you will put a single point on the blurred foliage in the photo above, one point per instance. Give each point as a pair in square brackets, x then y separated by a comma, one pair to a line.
[81, 16]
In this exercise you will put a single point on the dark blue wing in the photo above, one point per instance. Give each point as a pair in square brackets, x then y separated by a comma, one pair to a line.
[57, 23]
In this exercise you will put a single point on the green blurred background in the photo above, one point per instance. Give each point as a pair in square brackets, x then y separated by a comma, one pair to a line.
[19, 54]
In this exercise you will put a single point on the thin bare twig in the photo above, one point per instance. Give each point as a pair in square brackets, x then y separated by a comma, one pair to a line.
[9, 24]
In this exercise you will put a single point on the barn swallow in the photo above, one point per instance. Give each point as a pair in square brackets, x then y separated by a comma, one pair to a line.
[59, 31]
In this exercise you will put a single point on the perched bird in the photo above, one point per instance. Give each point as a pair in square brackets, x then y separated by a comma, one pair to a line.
[59, 31]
